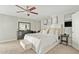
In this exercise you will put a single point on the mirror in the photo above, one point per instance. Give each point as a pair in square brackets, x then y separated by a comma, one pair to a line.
[24, 26]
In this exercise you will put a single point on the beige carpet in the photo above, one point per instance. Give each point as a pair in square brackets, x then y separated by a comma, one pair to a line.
[15, 48]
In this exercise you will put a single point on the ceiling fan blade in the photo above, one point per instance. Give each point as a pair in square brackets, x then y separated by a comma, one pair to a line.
[34, 13]
[20, 11]
[21, 7]
[32, 8]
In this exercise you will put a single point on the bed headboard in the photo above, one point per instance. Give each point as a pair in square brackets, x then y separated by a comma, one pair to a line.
[55, 29]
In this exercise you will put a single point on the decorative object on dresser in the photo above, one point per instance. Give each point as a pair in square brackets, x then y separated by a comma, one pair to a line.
[66, 38]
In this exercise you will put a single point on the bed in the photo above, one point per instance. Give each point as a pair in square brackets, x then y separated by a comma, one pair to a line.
[43, 42]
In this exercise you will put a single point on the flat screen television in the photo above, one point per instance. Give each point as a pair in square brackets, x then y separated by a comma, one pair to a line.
[68, 24]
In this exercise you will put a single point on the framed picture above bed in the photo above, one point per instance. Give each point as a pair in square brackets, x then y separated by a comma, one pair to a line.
[24, 26]
[54, 19]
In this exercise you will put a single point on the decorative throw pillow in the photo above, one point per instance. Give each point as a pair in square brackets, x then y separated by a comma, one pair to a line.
[45, 31]
[52, 31]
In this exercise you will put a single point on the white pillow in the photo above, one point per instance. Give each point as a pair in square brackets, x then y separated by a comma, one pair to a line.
[55, 31]
[52, 31]
[45, 31]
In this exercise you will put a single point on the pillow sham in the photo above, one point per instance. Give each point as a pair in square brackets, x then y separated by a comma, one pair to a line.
[55, 31]
[45, 31]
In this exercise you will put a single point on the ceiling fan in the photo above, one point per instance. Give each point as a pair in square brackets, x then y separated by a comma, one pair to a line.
[27, 9]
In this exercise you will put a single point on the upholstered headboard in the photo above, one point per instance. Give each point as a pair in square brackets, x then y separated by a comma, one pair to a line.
[55, 29]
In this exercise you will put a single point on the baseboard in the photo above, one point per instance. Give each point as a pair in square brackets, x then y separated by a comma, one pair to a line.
[3, 41]
[75, 48]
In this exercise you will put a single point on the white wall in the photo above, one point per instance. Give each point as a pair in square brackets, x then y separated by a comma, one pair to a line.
[8, 28]
[61, 19]
[75, 30]
[35, 24]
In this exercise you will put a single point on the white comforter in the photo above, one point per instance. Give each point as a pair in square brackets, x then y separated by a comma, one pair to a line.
[41, 41]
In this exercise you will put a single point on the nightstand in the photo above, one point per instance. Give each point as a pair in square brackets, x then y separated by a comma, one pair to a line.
[66, 36]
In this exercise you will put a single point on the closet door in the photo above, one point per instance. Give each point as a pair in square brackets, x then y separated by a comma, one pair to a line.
[75, 30]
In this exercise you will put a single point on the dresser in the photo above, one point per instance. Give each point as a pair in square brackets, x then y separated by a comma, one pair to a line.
[21, 33]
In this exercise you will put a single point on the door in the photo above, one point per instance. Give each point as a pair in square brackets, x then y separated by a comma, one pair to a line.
[75, 30]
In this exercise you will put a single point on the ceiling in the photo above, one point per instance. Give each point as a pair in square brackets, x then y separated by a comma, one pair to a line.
[43, 10]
